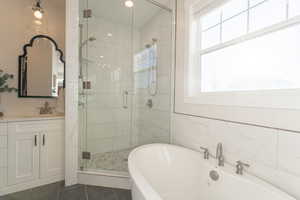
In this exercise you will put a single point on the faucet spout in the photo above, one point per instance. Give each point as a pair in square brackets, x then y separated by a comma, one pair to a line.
[219, 155]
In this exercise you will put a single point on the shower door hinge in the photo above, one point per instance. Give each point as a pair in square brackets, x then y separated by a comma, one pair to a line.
[87, 13]
[86, 155]
[87, 85]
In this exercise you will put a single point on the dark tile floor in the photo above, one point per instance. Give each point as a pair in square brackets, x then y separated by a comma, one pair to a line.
[57, 191]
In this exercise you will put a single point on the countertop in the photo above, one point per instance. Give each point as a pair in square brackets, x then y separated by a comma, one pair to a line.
[30, 118]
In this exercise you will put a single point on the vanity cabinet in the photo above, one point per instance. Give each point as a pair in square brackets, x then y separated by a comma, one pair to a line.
[35, 152]
[3, 154]
[23, 159]
[52, 153]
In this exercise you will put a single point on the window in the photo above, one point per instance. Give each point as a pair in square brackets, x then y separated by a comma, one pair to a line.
[247, 45]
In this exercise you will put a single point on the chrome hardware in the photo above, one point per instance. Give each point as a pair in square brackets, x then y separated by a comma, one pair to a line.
[149, 103]
[86, 155]
[44, 139]
[219, 155]
[87, 85]
[240, 167]
[205, 152]
[125, 99]
[214, 175]
[46, 109]
[87, 13]
[35, 140]
[80, 103]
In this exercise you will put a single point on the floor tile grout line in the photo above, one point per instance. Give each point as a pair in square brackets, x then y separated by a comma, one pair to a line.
[86, 192]
[60, 189]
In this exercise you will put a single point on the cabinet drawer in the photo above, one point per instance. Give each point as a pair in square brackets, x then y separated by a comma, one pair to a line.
[35, 126]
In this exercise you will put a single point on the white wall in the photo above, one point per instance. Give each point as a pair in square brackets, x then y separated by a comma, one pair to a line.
[17, 28]
[274, 155]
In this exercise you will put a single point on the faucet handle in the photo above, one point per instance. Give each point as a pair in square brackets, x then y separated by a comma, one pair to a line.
[240, 163]
[240, 167]
[206, 152]
[203, 148]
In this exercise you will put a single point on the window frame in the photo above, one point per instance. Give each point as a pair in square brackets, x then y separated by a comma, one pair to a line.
[192, 94]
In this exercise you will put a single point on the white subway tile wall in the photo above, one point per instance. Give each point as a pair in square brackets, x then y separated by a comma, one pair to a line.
[273, 155]
[109, 126]
[152, 125]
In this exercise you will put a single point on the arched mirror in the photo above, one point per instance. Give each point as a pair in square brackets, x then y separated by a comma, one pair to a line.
[41, 69]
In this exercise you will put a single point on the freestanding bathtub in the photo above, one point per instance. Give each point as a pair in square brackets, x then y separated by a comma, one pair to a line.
[169, 172]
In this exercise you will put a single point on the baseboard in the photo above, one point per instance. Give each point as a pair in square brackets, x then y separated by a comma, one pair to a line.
[104, 180]
[28, 185]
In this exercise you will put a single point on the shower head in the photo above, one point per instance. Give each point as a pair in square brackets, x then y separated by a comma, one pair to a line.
[154, 40]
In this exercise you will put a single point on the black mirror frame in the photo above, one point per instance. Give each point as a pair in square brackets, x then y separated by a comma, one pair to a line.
[23, 56]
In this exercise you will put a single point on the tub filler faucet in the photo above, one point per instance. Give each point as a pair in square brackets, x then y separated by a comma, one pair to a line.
[219, 155]
[205, 153]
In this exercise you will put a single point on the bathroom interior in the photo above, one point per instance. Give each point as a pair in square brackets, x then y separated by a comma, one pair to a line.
[149, 100]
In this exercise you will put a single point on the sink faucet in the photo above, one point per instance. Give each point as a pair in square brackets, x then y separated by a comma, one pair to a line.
[46, 109]
[219, 155]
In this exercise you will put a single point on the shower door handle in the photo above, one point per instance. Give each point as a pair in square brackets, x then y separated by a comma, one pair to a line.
[125, 99]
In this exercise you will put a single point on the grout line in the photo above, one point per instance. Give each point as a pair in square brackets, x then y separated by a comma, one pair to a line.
[277, 150]
[238, 122]
[86, 192]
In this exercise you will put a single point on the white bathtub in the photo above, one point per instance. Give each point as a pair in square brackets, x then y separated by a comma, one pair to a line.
[168, 172]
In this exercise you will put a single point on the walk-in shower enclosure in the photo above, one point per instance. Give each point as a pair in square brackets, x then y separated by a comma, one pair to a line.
[125, 79]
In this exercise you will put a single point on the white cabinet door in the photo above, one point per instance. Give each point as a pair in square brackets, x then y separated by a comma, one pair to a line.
[52, 153]
[23, 156]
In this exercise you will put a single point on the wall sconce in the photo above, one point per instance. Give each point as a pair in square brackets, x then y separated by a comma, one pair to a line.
[38, 11]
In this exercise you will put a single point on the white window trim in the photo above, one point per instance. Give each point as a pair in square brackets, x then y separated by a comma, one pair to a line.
[281, 98]
[278, 108]
[273, 28]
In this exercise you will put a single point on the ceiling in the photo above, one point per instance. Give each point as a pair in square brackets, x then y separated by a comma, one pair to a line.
[114, 10]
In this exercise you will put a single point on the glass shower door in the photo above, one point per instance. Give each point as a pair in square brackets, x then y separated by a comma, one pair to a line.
[108, 80]
[125, 80]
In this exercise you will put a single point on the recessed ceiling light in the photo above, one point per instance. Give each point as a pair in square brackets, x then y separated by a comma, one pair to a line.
[109, 34]
[129, 3]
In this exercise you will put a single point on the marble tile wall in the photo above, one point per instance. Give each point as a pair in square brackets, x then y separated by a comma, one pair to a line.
[152, 125]
[108, 67]
[273, 155]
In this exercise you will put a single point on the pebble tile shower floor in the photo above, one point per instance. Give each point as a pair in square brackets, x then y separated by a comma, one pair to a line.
[116, 161]
[57, 191]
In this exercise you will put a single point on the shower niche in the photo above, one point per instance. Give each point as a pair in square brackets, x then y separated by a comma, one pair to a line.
[126, 59]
